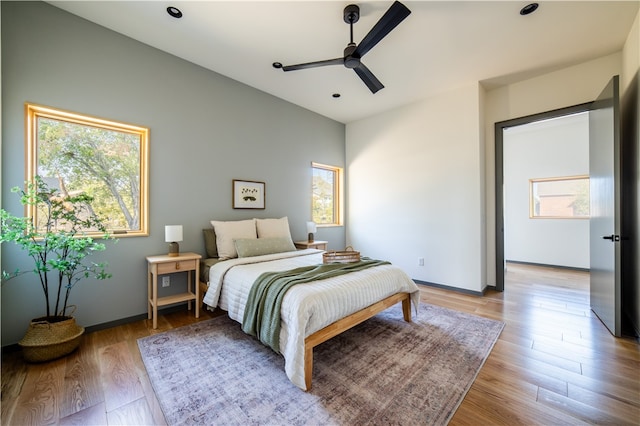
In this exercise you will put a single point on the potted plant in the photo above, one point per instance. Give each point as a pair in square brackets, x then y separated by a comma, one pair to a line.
[59, 246]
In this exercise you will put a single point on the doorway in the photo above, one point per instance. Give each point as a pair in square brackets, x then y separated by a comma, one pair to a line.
[546, 192]
[500, 129]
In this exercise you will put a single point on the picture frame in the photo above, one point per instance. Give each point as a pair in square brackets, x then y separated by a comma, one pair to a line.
[248, 194]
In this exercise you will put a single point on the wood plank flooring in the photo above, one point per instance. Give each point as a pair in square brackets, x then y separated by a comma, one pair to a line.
[554, 363]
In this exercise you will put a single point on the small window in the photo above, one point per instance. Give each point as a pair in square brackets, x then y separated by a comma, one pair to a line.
[563, 197]
[326, 195]
[104, 159]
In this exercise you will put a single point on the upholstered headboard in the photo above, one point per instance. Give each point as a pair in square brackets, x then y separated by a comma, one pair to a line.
[210, 247]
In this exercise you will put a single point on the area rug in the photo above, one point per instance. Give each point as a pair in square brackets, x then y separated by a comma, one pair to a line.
[384, 371]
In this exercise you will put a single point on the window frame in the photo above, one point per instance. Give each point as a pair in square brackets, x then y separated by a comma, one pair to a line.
[532, 207]
[34, 112]
[338, 185]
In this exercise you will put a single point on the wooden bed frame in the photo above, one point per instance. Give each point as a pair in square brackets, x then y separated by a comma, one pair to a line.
[348, 322]
[341, 325]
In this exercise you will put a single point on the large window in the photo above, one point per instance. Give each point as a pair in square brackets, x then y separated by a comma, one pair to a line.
[104, 159]
[563, 197]
[326, 202]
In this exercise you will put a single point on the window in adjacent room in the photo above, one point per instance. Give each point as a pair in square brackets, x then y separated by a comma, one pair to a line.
[105, 159]
[562, 197]
[326, 195]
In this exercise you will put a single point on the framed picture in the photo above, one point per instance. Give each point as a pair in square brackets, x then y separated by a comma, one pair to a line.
[248, 194]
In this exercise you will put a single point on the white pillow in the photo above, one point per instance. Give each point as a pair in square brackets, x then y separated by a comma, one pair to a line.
[273, 228]
[227, 232]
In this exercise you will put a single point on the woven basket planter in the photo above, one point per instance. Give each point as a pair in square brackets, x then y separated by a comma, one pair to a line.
[46, 340]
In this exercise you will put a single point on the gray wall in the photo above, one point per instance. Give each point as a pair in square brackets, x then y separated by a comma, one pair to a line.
[206, 130]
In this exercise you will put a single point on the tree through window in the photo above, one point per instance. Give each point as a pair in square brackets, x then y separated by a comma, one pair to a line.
[562, 197]
[104, 159]
[326, 194]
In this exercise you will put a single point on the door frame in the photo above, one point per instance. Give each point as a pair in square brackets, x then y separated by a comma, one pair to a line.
[499, 174]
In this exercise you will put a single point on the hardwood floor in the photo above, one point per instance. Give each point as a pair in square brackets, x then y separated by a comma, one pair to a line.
[554, 363]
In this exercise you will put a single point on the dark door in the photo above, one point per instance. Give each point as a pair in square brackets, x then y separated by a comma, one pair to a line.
[604, 224]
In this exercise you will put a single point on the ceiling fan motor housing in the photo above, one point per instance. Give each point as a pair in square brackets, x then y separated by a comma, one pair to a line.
[350, 61]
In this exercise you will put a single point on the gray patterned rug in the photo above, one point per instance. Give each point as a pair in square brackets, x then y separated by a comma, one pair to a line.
[383, 371]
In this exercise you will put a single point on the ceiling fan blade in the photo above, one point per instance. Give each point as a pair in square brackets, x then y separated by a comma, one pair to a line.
[369, 79]
[336, 61]
[392, 17]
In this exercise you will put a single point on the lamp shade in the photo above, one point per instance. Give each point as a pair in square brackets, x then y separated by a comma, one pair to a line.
[311, 227]
[173, 233]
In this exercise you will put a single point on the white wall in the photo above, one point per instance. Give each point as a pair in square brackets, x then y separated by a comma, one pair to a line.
[550, 148]
[569, 86]
[631, 56]
[415, 188]
[421, 178]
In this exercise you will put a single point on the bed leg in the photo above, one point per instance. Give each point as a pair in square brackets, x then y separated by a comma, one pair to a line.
[406, 308]
[308, 366]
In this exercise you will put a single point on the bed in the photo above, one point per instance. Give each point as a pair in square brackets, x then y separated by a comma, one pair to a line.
[311, 313]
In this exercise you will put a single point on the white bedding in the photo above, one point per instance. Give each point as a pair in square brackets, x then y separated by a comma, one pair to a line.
[306, 308]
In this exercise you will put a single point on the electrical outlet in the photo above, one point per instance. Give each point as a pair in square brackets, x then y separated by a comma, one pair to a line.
[421, 261]
[166, 281]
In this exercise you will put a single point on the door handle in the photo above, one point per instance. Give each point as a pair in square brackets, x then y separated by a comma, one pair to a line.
[611, 237]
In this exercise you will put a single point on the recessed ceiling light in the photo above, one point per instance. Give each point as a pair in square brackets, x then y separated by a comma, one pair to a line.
[174, 11]
[336, 95]
[530, 8]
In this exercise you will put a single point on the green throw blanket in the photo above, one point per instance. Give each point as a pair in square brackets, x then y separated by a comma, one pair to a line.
[262, 312]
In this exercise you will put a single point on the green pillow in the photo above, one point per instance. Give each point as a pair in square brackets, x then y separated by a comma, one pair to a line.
[248, 247]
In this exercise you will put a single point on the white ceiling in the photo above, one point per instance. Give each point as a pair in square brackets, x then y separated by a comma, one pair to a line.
[441, 46]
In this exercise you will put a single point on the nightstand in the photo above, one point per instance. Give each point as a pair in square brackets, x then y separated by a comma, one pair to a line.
[317, 244]
[165, 264]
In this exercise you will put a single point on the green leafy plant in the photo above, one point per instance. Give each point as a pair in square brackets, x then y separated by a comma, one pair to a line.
[58, 244]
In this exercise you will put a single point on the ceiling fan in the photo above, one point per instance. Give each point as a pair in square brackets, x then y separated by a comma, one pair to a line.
[353, 53]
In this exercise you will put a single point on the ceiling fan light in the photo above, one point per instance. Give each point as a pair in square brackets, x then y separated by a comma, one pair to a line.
[277, 65]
